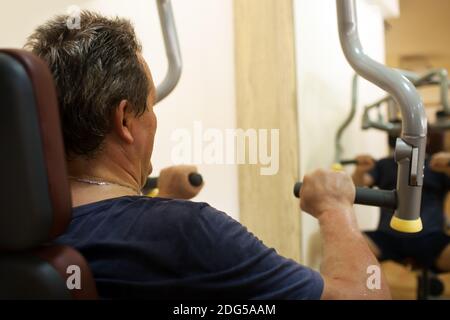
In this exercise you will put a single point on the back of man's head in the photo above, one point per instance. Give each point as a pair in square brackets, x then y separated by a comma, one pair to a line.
[94, 68]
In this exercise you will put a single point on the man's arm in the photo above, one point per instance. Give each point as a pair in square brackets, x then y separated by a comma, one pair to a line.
[329, 196]
[361, 176]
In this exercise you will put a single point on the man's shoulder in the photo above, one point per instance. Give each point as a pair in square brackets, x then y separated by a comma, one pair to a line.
[387, 161]
[197, 219]
[142, 209]
[185, 209]
[385, 165]
[177, 221]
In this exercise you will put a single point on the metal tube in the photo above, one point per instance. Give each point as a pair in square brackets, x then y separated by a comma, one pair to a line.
[432, 77]
[443, 75]
[392, 111]
[410, 75]
[172, 47]
[442, 80]
[338, 143]
[410, 149]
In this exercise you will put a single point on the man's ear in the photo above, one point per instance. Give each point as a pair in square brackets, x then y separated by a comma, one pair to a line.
[122, 121]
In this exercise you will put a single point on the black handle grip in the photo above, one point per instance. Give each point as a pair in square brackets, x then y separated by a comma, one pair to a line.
[350, 161]
[366, 196]
[347, 162]
[195, 179]
[152, 183]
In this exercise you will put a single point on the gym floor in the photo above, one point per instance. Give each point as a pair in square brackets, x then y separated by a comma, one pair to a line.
[403, 281]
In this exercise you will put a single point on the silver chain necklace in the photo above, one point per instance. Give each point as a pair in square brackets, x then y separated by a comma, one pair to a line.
[104, 183]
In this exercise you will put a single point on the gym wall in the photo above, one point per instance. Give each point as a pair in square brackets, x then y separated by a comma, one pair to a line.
[418, 46]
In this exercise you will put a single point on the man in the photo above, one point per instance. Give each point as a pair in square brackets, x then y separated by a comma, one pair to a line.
[141, 247]
[430, 247]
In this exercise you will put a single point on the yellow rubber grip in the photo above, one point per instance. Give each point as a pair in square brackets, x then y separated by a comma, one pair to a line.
[337, 167]
[406, 226]
[153, 193]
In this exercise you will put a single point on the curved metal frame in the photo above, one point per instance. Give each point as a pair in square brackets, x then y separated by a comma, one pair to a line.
[432, 77]
[410, 148]
[338, 144]
[172, 47]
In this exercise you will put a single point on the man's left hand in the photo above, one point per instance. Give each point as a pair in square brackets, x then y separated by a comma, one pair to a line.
[173, 182]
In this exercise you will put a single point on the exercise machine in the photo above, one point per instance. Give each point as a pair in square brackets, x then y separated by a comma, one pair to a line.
[410, 147]
[392, 125]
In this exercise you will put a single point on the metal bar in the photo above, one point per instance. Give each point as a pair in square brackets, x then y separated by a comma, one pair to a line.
[410, 75]
[172, 47]
[443, 75]
[338, 140]
[410, 148]
[432, 77]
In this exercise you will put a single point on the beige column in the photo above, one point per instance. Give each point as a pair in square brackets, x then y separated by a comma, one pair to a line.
[266, 99]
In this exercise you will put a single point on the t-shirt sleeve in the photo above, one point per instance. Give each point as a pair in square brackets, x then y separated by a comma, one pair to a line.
[446, 186]
[239, 260]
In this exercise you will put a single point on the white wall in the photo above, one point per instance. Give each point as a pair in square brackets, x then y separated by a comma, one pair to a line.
[206, 88]
[324, 91]
[389, 8]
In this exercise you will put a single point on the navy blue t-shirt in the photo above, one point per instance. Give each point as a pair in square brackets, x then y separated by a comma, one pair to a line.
[140, 247]
[435, 187]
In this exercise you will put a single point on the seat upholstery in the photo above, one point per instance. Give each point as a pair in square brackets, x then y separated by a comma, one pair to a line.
[34, 188]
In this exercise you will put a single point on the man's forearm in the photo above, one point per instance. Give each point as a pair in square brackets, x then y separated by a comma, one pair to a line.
[347, 258]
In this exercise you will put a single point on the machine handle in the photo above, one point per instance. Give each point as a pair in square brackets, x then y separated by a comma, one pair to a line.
[366, 196]
[195, 179]
[349, 161]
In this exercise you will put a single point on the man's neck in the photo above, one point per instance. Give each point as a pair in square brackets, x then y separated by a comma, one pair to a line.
[115, 171]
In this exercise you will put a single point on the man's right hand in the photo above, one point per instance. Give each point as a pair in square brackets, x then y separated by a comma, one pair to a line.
[329, 197]
[325, 190]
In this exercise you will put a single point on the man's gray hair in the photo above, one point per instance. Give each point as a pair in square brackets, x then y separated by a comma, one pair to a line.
[94, 68]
